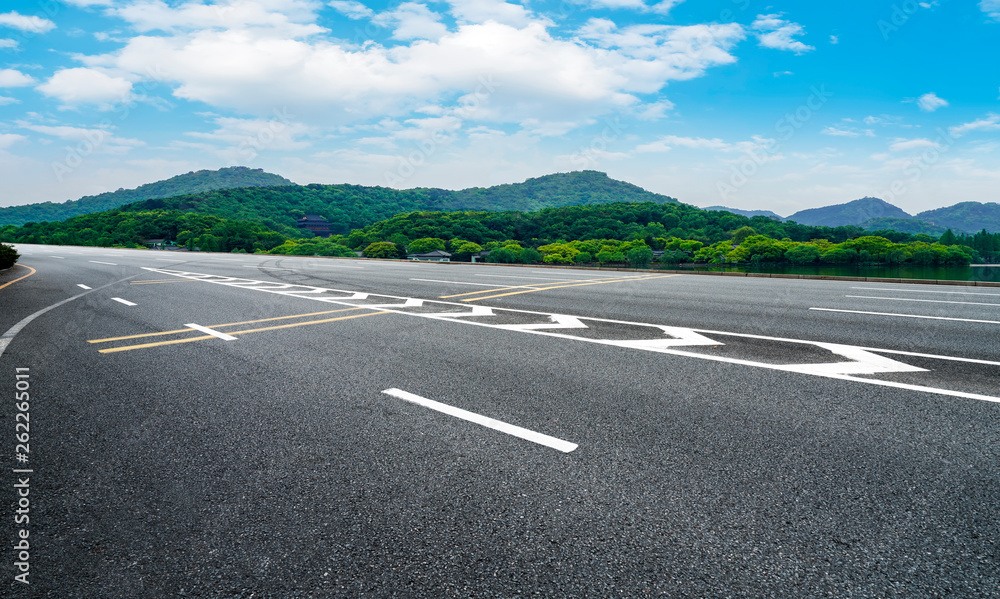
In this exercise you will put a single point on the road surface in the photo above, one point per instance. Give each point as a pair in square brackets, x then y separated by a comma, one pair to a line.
[211, 425]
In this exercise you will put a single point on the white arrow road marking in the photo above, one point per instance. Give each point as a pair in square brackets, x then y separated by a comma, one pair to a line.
[559, 321]
[861, 360]
[864, 362]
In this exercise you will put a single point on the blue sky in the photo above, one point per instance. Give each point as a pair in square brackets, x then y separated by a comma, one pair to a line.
[758, 105]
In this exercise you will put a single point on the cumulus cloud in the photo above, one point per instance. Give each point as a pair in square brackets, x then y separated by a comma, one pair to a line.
[85, 86]
[528, 72]
[411, 20]
[27, 23]
[777, 33]
[14, 78]
[931, 102]
[669, 142]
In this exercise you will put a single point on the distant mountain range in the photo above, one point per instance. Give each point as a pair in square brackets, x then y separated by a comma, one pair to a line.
[193, 182]
[748, 213]
[875, 214]
[242, 193]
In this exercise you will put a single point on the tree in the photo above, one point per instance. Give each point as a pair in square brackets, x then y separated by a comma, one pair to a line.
[8, 256]
[742, 233]
[381, 249]
[640, 257]
[425, 245]
[803, 253]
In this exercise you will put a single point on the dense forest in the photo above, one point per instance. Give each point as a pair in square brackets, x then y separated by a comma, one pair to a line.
[194, 182]
[605, 233]
[117, 228]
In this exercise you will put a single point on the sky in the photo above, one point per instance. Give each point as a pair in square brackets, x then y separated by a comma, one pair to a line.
[776, 105]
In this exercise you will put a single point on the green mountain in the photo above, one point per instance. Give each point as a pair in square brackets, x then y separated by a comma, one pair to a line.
[749, 213]
[914, 226]
[193, 182]
[350, 207]
[851, 213]
[966, 217]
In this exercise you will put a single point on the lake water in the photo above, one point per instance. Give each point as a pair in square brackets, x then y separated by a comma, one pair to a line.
[989, 272]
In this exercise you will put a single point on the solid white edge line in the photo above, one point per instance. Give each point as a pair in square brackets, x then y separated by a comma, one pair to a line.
[510, 429]
[212, 332]
[82, 286]
[912, 299]
[122, 301]
[905, 315]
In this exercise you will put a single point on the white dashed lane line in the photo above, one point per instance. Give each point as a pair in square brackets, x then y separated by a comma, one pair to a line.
[906, 315]
[122, 301]
[929, 301]
[497, 425]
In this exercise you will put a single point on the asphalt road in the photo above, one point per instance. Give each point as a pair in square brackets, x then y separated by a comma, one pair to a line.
[211, 425]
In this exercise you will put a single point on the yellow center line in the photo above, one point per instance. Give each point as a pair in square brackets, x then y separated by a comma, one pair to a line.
[215, 326]
[190, 339]
[33, 271]
[485, 291]
[476, 299]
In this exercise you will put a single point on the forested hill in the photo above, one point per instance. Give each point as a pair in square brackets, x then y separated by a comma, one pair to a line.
[350, 207]
[189, 183]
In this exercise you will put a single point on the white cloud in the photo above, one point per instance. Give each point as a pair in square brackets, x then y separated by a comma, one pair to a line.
[30, 24]
[412, 21]
[990, 122]
[86, 3]
[14, 78]
[663, 7]
[902, 145]
[931, 102]
[839, 132]
[777, 33]
[9, 139]
[991, 8]
[240, 141]
[86, 86]
[8, 43]
[533, 74]
[102, 141]
[352, 9]
[834, 39]
[5, 100]
[669, 142]
[294, 19]
[482, 11]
